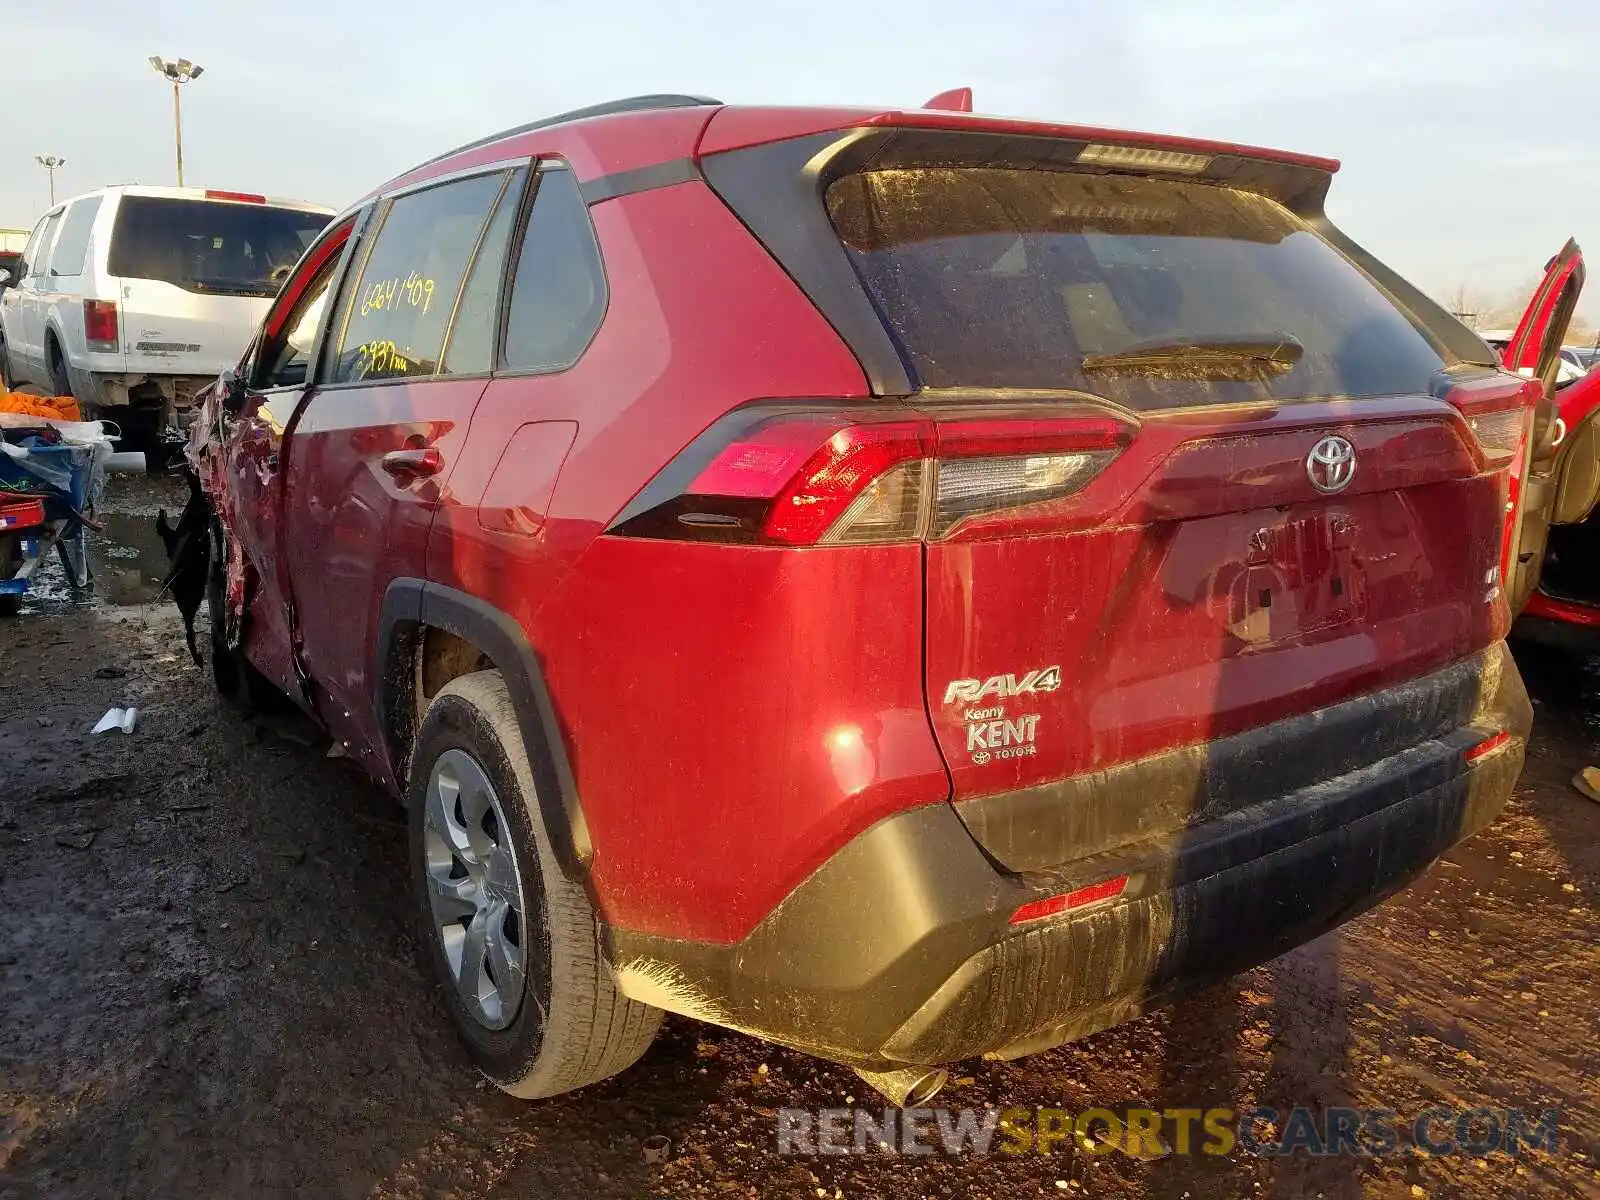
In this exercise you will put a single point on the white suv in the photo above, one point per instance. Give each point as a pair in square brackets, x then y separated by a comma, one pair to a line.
[134, 298]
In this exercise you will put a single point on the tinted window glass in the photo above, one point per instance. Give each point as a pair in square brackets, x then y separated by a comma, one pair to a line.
[210, 246]
[471, 348]
[401, 307]
[292, 355]
[559, 294]
[1152, 293]
[30, 252]
[47, 237]
[68, 256]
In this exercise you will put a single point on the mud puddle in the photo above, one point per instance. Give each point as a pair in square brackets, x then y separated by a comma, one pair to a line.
[126, 559]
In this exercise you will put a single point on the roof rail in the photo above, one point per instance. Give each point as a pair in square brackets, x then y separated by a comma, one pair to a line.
[609, 108]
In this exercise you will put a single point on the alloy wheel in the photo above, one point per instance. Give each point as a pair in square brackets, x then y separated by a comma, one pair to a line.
[475, 888]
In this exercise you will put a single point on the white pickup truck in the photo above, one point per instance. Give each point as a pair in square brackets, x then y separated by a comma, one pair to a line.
[133, 298]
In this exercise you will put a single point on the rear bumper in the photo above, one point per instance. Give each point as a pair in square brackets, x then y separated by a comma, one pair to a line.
[899, 950]
[178, 391]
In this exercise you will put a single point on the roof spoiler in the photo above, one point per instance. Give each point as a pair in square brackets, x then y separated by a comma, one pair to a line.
[955, 100]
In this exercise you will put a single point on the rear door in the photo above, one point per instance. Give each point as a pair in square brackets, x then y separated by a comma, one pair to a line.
[33, 298]
[67, 280]
[375, 441]
[196, 273]
[1553, 451]
[11, 305]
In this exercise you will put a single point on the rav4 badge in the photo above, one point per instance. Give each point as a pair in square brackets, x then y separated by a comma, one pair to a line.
[966, 691]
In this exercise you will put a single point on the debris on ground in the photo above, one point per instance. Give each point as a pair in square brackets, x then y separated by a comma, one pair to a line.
[1587, 783]
[118, 718]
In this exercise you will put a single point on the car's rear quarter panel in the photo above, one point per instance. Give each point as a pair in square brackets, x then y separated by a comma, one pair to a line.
[733, 715]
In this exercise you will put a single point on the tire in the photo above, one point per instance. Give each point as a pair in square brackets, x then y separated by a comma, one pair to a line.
[10, 604]
[563, 1025]
[59, 379]
[7, 379]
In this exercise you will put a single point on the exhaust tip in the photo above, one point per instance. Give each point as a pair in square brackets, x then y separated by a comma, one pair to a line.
[909, 1087]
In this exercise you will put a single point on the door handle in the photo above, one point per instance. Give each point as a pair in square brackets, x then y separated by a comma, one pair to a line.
[405, 465]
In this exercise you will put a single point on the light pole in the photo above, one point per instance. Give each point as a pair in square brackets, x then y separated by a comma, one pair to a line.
[181, 71]
[50, 162]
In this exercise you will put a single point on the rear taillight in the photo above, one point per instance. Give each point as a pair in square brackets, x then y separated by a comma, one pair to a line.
[993, 464]
[100, 324]
[1498, 414]
[1499, 434]
[792, 476]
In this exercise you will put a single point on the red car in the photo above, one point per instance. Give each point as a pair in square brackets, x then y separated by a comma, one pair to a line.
[907, 585]
[1557, 592]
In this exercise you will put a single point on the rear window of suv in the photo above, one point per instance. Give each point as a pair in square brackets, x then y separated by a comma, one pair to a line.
[211, 246]
[1151, 293]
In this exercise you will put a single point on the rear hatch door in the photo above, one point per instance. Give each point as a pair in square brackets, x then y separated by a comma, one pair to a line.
[1197, 473]
[196, 274]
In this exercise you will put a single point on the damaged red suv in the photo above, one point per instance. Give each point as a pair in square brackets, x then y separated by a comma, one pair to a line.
[907, 585]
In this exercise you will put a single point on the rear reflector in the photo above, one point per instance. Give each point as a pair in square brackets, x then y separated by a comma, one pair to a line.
[795, 476]
[1102, 154]
[1488, 746]
[241, 197]
[1036, 910]
[100, 324]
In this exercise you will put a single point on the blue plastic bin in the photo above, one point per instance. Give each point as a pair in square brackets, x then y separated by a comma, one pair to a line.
[59, 504]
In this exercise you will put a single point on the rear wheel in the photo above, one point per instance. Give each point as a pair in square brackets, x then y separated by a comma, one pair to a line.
[7, 379]
[515, 942]
[10, 604]
[59, 379]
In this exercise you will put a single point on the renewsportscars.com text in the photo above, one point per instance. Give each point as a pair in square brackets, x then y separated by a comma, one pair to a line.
[1148, 1132]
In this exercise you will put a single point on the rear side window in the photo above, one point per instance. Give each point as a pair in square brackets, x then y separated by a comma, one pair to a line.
[559, 292]
[30, 252]
[400, 308]
[471, 346]
[73, 242]
[285, 354]
[47, 237]
[1151, 293]
[210, 246]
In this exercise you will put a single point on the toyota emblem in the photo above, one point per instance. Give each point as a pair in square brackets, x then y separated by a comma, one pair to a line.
[1331, 465]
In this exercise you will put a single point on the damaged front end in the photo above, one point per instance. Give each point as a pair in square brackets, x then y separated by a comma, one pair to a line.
[204, 562]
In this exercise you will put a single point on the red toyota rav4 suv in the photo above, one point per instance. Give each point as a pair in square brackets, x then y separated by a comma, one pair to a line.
[907, 585]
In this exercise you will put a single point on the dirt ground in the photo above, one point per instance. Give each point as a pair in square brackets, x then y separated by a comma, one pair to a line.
[208, 984]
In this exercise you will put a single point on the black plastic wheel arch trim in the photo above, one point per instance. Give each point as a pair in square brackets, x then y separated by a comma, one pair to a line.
[412, 605]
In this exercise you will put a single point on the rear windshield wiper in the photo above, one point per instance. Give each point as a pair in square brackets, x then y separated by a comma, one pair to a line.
[1204, 358]
[233, 287]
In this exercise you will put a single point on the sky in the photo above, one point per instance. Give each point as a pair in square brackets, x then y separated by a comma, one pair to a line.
[1467, 130]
